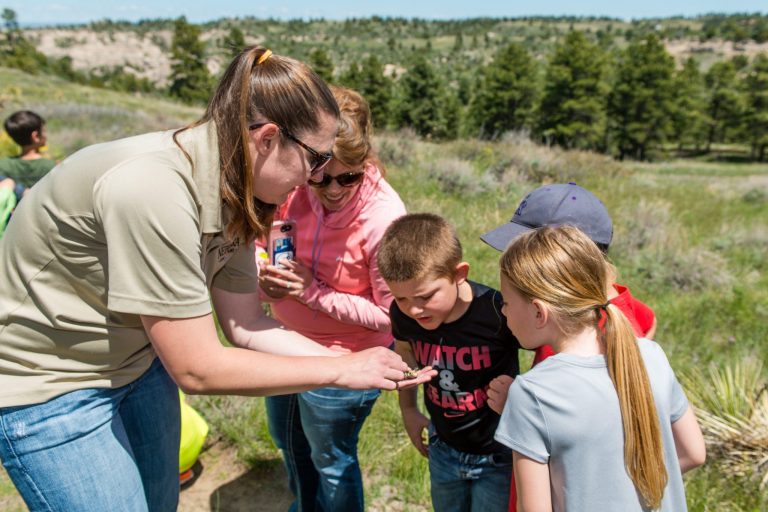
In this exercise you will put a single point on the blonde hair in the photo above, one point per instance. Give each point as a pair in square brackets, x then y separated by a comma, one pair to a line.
[418, 246]
[259, 85]
[563, 268]
[353, 146]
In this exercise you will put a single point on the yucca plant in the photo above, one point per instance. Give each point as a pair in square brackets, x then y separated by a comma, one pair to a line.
[731, 404]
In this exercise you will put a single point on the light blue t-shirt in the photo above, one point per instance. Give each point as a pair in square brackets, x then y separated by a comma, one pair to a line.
[565, 412]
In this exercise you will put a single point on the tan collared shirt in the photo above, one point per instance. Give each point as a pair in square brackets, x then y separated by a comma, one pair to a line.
[118, 230]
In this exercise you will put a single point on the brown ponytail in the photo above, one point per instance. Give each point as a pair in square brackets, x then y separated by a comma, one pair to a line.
[563, 268]
[259, 86]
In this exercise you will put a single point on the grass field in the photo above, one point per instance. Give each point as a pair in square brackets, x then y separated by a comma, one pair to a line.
[690, 240]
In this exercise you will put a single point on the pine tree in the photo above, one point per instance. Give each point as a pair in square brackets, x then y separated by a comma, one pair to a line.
[458, 43]
[377, 89]
[724, 102]
[505, 94]
[422, 103]
[641, 102]
[190, 79]
[352, 77]
[756, 84]
[15, 50]
[689, 120]
[322, 64]
[234, 42]
[573, 109]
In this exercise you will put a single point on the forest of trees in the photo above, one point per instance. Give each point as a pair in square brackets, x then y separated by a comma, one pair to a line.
[581, 91]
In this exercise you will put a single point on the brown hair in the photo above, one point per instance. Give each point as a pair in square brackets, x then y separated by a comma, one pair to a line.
[564, 269]
[20, 126]
[279, 89]
[353, 146]
[418, 246]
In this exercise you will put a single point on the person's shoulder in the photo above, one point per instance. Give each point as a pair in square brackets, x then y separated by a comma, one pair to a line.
[44, 164]
[649, 345]
[394, 312]
[651, 352]
[8, 162]
[625, 296]
[47, 162]
[486, 310]
[525, 384]
[384, 200]
[156, 179]
[297, 204]
[484, 294]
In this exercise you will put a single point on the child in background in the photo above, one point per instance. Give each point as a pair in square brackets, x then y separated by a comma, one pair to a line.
[441, 319]
[561, 204]
[27, 129]
[603, 424]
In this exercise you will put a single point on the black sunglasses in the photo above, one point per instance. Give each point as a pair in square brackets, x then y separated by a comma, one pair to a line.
[318, 160]
[346, 179]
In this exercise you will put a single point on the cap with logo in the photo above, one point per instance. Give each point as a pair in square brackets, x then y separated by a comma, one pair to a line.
[555, 205]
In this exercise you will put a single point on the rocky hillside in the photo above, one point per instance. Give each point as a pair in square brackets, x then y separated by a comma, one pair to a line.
[145, 52]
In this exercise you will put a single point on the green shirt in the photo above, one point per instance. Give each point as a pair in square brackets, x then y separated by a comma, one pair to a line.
[26, 172]
[117, 230]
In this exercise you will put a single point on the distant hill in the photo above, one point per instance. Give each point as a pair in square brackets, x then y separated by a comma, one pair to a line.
[142, 48]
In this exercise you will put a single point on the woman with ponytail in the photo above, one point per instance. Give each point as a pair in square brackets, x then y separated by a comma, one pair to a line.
[110, 273]
[603, 424]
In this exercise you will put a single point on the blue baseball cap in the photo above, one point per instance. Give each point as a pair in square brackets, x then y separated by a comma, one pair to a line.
[556, 205]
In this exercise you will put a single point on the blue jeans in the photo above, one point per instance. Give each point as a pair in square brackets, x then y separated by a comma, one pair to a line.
[97, 449]
[466, 482]
[318, 432]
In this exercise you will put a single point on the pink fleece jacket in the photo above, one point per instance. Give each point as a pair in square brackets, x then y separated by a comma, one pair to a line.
[347, 304]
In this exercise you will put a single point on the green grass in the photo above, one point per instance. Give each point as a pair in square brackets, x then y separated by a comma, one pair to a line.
[690, 240]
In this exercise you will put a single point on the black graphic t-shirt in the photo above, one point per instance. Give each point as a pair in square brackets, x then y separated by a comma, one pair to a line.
[468, 354]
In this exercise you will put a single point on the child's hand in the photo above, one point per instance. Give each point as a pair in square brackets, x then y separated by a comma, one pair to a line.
[416, 425]
[497, 392]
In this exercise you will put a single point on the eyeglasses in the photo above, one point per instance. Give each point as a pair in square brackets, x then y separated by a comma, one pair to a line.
[346, 179]
[318, 160]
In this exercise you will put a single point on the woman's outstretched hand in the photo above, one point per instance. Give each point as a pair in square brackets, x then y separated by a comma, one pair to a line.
[376, 368]
[421, 376]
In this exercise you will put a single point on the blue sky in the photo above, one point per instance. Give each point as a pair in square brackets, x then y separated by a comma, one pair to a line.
[62, 11]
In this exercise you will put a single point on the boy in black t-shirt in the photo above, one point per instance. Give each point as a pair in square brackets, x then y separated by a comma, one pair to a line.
[441, 319]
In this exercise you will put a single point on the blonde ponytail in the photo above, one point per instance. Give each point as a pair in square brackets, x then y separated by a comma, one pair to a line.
[643, 452]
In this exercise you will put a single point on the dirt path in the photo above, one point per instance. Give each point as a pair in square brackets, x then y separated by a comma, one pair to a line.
[226, 485]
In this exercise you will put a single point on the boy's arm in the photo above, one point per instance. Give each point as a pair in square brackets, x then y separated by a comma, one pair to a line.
[416, 424]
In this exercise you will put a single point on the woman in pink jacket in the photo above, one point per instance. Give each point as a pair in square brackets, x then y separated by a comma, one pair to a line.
[333, 294]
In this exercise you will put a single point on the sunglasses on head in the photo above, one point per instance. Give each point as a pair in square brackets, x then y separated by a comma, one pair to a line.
[317, 160]
[346, 179]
